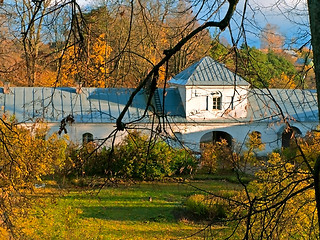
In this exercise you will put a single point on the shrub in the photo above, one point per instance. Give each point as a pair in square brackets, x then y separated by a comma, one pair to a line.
[86, 161]
[27, 156]
[207, 207]
[135, 157]
[76, 160]
[183, 162]
[216, 155]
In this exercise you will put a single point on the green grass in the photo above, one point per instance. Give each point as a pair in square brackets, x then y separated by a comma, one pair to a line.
[121, 212]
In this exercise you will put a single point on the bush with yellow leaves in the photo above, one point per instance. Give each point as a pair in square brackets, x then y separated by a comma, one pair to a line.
[27, 155]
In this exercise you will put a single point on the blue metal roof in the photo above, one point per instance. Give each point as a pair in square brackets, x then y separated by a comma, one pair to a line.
[103, 105]
[172, 101]
[295, 104]
[54, 104]
[208, 72]
[93, 105]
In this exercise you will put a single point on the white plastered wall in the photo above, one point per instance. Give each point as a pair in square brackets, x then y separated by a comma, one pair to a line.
[198, 101]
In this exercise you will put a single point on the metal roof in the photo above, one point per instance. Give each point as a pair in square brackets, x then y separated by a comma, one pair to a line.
[172, 100]
[103, 105]
[53, 104]
[295, 105]
[208, 72]
[93, 105]
[304, 61]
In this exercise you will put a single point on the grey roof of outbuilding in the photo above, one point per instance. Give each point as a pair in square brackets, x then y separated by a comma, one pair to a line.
[208, 72]
[304, 61]
[291, 104]
[171, 98]
[93, 105]
[101, 105]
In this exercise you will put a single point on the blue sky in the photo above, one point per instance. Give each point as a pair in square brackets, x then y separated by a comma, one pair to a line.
[289, 15]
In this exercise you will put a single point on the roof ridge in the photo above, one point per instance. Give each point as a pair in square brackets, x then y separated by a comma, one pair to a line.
[208, 72]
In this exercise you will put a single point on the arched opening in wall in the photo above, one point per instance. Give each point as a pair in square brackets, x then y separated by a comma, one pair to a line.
[288, 136]
[86, 138]
[255, 138]
[216, 136]
[216, 151]
[256, 134]
[254, 142]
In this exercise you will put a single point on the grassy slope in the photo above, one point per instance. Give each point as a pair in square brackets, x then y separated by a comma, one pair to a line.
[122, 212]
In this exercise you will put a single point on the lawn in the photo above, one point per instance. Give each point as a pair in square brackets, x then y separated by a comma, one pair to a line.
[117, 212]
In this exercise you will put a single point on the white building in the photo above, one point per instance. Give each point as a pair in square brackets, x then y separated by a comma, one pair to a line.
[205, 102]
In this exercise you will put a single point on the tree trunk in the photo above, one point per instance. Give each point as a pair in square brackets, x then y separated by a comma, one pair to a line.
[314, 18]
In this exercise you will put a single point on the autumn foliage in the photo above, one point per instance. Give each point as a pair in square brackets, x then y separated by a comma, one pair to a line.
[135, 157]
[279, 203]
[27, 156]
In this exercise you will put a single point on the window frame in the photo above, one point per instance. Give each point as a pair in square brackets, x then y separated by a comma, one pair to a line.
[216, 103]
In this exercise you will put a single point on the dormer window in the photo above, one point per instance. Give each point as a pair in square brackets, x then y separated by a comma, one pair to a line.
[216, 101]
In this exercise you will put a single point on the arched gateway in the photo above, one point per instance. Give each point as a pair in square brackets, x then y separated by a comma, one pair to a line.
[288, 135]
[216, 136]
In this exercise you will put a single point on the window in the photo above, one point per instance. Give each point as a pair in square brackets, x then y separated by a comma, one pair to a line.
[216, 100]
[86, 138]
[216, 103]
[207, 103]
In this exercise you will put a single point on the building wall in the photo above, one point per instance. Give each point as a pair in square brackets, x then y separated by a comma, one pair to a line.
[99, 131]
[271, 133]
[190, 134]
[198, 101]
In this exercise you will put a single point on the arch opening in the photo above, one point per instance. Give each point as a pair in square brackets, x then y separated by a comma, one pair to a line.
[288, 135]
[216, 136]
[210, 146]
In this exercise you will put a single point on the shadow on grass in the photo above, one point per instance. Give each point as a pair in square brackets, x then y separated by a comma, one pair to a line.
[132, 201]
[122, 213]
[89, 196]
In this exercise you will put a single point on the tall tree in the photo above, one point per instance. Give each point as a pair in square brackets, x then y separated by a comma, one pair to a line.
[314, 16]
[138, 35]
[31, 19]
[36, 32]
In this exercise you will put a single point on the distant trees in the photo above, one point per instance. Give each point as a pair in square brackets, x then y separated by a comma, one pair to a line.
[137, 36]
[31, 17]
[262, 69]
[271, 38]
[91, 69]
[30, 30]
[181, 22]
[266, 69]
[117, 44]
[112, 45]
